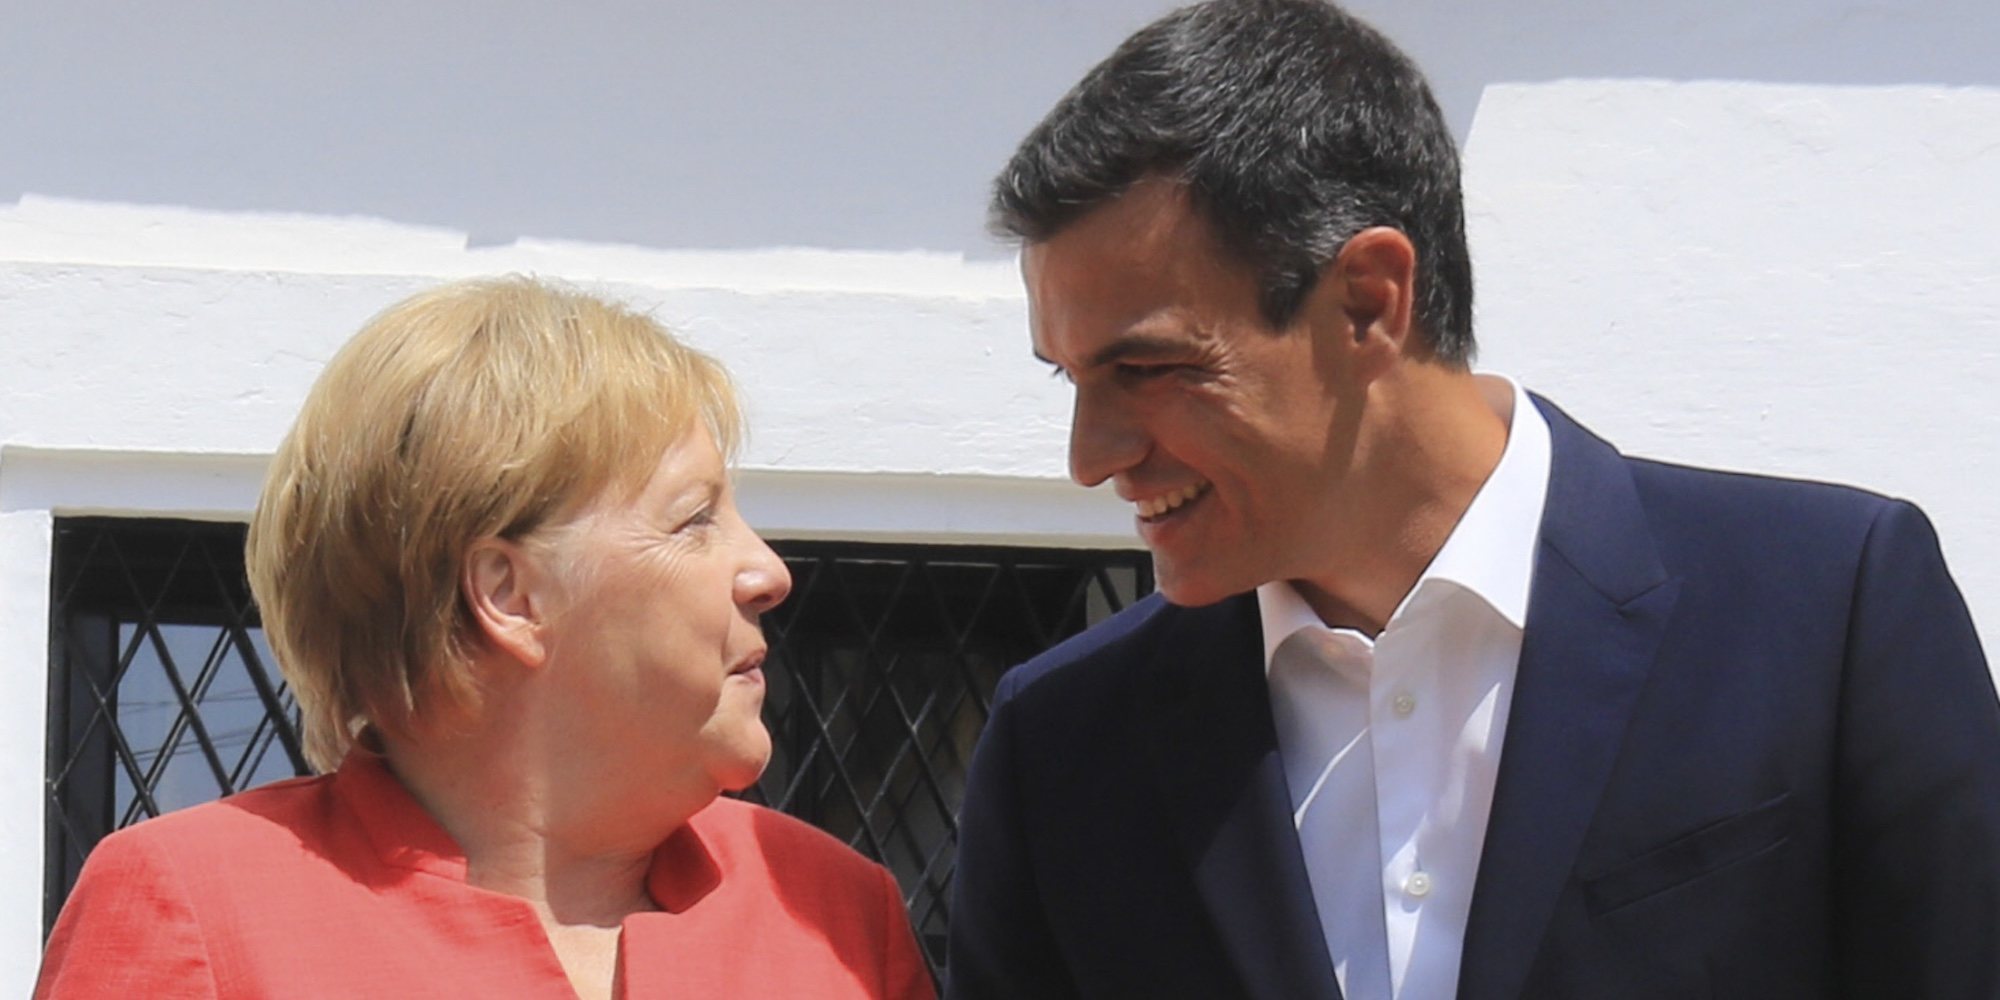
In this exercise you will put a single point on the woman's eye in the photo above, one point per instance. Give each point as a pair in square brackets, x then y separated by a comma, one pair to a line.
[701, 519]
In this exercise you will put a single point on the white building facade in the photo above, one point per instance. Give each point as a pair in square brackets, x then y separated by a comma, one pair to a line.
[1765, 240]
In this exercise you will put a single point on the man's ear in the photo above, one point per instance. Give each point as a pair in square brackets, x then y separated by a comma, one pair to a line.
[1371, 285]
[507, 591]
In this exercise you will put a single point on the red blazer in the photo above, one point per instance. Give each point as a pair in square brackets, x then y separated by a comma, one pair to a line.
[342, 886]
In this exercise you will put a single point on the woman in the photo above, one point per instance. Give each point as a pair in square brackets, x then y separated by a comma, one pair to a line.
[502, 571]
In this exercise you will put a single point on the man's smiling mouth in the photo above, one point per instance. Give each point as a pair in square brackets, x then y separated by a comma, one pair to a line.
[1155, 508]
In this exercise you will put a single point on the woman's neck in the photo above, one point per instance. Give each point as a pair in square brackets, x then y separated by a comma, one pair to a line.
[526, 829]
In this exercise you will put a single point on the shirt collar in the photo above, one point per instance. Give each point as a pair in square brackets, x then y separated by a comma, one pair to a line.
[1490, 552]
[1283, 612]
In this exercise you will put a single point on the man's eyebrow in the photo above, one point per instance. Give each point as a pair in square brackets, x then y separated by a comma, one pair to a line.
[1134, 347]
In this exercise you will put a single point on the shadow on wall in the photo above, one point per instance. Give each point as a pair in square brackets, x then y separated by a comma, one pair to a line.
[1464, 45]
[863, 124]
[854, 124]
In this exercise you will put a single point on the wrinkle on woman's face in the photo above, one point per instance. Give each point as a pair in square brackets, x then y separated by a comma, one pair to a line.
[654, 641]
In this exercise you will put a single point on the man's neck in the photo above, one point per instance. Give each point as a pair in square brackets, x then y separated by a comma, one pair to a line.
[1436, 440]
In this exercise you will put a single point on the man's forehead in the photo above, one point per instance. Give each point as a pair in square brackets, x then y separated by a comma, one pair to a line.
[1076, 310]
[1152, 214]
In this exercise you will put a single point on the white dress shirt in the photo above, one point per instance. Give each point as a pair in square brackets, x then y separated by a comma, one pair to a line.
[1391, 746]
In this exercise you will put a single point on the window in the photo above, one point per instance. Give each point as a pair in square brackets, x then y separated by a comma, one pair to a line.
[163, 692]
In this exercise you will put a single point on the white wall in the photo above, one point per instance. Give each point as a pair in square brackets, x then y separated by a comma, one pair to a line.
[832, 123]
[1765, 277]
[869, 124]
[1757, 236]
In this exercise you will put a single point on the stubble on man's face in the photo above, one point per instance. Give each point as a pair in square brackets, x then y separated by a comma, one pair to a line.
[1215, 427]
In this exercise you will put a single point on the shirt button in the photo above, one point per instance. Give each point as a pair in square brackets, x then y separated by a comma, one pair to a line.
[1404, 704]
[1418, 885]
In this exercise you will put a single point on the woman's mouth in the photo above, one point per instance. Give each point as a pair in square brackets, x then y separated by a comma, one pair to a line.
[750, 668]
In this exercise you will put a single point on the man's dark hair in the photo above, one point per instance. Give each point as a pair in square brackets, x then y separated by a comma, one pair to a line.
[1293, 126]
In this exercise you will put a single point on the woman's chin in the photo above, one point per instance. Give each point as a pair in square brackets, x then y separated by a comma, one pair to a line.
[743, 763]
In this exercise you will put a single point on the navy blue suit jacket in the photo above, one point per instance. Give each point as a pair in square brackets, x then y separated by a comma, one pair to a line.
[1754, 751]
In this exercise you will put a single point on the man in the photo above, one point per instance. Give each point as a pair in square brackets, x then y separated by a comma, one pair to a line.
[1442, 696]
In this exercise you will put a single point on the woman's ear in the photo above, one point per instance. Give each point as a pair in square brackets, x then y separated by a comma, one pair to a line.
[507, 591]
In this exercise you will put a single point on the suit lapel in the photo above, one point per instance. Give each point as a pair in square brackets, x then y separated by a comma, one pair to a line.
[1598, 608]
[1216, 765]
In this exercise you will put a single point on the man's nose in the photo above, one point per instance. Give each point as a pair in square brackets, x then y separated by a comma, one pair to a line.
[1104, 437]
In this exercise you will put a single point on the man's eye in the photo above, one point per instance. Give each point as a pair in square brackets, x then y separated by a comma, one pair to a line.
[1147, 371]
[1059, 374]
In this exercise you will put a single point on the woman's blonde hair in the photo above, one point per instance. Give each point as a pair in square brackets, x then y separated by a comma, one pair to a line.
[479, 409]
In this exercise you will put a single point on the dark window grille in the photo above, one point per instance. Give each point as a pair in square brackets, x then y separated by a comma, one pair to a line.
[164, 694]
[886, 657]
